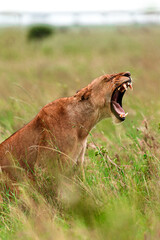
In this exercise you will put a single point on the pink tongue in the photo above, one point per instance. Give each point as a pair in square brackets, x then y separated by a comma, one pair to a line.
[118, 108]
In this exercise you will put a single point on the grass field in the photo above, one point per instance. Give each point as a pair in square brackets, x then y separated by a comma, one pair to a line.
[117, 195]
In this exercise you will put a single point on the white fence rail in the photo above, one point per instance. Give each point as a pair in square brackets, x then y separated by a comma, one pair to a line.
[79, 18]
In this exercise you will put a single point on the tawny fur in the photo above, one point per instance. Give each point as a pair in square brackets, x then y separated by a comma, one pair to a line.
[60, 129]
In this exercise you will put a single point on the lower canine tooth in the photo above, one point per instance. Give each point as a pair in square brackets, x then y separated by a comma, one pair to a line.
[123, 115]
[130, 85]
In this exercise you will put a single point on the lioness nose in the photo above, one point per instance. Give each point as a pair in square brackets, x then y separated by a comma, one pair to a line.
[126, 74]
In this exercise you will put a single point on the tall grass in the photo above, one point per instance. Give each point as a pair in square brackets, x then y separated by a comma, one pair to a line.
[117, 193]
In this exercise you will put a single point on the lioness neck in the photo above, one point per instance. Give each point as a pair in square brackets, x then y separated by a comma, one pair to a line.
[84, 115]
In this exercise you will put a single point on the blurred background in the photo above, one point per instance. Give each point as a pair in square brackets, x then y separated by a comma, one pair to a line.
[84, 13]
[50, 49]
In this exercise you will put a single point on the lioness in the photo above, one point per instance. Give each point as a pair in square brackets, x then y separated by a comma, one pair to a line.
[59, 131]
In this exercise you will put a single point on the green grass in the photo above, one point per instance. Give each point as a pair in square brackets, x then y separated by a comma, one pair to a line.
[117, 194]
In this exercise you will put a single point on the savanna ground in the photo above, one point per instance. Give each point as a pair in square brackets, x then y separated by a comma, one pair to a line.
[117, 195]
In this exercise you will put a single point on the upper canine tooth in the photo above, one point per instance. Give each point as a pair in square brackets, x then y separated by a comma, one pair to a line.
[125, 86]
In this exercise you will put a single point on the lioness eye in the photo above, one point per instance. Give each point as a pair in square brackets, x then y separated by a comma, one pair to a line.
[106, 79]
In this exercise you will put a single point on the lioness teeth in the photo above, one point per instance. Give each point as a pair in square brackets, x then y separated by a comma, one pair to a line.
[125, 86]
[123, 115]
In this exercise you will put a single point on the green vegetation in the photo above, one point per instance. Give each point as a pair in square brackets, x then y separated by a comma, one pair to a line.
[117, 194]
[38, 32]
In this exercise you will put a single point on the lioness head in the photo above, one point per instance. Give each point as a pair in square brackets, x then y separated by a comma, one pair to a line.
[109, 92]
[106, 93]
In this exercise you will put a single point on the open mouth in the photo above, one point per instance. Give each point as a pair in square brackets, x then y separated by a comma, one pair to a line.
[116, 100]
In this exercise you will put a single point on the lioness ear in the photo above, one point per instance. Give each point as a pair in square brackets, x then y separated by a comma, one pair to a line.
[86, 95]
